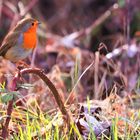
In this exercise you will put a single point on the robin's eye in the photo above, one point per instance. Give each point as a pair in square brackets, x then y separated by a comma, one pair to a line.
[32, 24]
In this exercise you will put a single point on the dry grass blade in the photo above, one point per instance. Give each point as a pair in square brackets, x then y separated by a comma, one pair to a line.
[71, 93]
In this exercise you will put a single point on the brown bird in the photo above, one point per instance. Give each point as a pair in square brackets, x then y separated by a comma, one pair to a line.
[20, 41]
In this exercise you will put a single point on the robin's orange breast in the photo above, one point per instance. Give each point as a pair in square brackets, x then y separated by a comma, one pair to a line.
[29, 40]
[23, 48]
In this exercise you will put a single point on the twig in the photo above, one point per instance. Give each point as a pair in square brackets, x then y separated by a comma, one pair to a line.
[98, 22]
[30, 6]
[1, 4]
[96, 82]
[7, 12]
[14, 14]
[33, 56]
[14, 21]
[70, 40]
[4, 134]
[6, 124]
[128, 22]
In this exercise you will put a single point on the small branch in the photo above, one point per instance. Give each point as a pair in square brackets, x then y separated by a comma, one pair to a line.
[12, 12]
[97, 22]
[4, 134]
[1, 5]
[71, 39]
[128, 22]
[96, 74]
[30, 6]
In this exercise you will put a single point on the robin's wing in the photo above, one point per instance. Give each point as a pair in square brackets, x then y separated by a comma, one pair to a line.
[9, 41]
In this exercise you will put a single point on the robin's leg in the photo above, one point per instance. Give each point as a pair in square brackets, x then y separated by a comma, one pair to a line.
[21, 65]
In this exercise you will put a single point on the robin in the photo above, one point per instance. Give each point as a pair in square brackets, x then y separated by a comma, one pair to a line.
[20, 41]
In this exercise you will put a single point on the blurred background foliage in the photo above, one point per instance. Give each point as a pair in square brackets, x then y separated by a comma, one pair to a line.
[64, 17]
